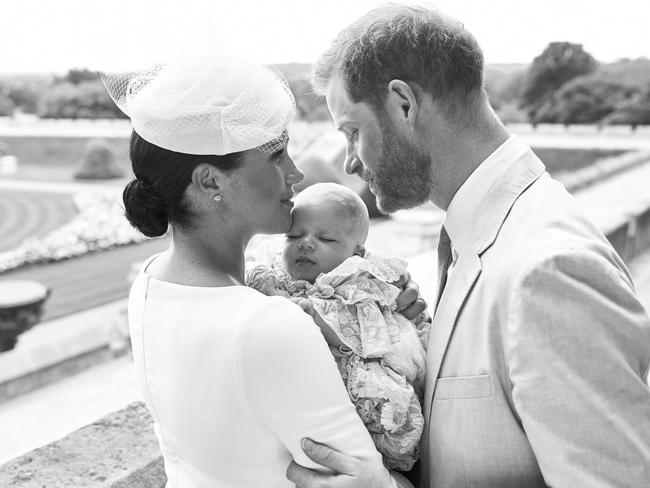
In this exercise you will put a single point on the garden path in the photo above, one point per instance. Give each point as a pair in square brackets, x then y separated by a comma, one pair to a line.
[87, 281]
[31, 214]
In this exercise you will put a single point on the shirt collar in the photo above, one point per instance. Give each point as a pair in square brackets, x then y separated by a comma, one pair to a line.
[467, 200]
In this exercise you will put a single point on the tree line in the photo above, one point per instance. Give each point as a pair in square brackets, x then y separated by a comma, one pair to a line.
[564, 85]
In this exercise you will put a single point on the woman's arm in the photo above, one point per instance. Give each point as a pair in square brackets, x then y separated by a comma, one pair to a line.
[289, 383]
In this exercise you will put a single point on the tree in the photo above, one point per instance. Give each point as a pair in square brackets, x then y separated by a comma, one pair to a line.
[98, 163]
[504, 84]
[25, 95]
[7, 105]
[633, 111]
[559, 63]
[77, 76]
[85, 100]
[583, 100]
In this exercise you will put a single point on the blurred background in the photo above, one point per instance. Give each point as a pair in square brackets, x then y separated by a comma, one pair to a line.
[571, 78]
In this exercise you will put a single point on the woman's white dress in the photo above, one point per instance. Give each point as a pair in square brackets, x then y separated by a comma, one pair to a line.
[234, 380]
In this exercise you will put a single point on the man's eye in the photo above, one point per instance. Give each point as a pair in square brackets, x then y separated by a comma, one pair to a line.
[327, 239]
[279, 153]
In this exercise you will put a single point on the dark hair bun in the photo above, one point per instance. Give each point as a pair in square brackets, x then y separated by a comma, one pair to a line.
[144, 209]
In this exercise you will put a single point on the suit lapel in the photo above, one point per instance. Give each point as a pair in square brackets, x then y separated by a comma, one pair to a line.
[487, 222]
[458, 287]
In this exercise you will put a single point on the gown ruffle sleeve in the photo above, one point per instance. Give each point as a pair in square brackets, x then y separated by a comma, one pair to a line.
[382, 359]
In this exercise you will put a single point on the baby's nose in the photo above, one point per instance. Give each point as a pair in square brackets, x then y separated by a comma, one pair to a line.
[305, 243]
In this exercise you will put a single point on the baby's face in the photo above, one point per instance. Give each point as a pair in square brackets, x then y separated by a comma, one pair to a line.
[321, 237]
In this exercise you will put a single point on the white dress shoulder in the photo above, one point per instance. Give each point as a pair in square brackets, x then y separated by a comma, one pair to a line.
[234, 380]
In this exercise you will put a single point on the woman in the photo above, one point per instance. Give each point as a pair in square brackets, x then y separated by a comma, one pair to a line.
[233, 379]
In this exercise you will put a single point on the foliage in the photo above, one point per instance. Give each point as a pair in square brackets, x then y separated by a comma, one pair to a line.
[25, 90]
[583, 100]
[99, 162]
[7, 105]
[559, 63]
[510, 113]
[631, 72]
[77, 76]
[504, 83]
[511, 90]
[84, 100]
[633, 111]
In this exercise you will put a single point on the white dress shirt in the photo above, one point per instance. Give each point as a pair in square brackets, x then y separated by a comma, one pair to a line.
[468, 198]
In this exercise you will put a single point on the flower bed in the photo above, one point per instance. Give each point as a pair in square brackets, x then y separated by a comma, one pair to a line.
[99, 225]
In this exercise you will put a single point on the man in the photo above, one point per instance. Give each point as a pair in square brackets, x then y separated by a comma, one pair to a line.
[539, 350]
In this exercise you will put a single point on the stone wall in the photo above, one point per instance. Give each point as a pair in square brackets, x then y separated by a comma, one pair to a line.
[117, 451]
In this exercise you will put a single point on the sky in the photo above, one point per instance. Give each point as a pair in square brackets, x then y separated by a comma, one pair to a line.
[57, 35]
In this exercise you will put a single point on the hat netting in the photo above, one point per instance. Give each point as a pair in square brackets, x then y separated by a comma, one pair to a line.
[209, 107]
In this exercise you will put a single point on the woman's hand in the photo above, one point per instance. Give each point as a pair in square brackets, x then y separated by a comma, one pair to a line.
[409, 302]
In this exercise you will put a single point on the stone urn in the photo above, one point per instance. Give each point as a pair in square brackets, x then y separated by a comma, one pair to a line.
[21, 307]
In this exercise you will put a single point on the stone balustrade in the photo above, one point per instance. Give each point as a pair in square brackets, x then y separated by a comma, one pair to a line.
[116, 451]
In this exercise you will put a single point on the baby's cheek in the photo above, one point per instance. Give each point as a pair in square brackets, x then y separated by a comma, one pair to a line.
[334, 260]
[286, 256]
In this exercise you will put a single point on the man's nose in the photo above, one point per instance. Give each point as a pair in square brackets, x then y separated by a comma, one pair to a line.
[352, 164]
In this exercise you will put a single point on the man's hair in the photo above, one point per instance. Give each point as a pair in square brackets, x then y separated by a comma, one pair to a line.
[413, 44]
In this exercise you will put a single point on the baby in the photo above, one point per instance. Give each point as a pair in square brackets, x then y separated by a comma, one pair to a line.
[380, 354]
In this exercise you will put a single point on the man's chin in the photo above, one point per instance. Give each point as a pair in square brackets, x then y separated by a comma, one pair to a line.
[388, 206]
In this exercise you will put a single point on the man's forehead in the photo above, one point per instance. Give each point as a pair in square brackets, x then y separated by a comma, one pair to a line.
[344, 110]
[339, 102]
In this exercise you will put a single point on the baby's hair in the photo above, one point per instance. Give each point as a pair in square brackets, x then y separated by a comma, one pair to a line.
[345, 199]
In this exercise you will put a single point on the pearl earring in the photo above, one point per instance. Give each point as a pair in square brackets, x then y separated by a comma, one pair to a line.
[217, 197]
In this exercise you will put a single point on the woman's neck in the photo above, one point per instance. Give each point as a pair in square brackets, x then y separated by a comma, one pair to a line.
[200, 260]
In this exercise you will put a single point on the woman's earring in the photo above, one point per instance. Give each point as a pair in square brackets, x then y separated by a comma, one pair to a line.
[217, 197]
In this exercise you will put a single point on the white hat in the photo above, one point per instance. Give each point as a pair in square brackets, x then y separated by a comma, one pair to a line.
[206, 106]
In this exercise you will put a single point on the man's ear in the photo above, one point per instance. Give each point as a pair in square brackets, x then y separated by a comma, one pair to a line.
[207, 179]
[360, 250]
[402, 102]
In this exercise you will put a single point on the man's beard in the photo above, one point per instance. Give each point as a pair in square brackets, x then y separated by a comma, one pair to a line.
[402, 178]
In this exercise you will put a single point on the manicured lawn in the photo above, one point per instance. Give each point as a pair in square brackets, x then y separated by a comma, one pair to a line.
[56, 158]
[60, 151]
[566, 160]
[31, 214]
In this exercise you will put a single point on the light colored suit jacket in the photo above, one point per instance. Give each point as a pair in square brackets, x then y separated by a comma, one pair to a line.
[539, 351]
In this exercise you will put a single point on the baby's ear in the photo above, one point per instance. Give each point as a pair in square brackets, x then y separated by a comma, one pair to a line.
[360, 250]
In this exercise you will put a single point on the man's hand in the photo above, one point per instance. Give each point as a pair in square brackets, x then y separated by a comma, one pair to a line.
[409, 302]
[348, 471]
